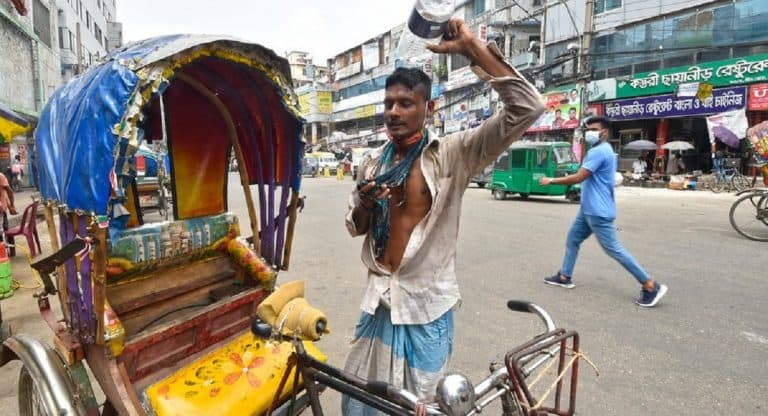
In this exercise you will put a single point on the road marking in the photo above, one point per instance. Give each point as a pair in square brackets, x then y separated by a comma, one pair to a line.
[751, 336]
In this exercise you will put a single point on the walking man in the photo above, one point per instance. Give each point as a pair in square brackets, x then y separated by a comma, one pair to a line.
[407, 204]
[597, 213]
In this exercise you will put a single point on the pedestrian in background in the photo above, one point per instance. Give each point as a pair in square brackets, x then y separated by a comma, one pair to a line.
[597, 214]
[6, 200]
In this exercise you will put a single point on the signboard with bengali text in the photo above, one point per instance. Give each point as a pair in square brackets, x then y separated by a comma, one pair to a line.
[736, 71]
[669, 105]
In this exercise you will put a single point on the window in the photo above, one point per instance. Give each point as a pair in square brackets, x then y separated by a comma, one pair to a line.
[620, 71]
[97, 33]
[502, 163]
[517, 159]
[479, 6]
[474, 8]
[41, 20]
[602, 6]
[88, 20]
[564, 155]
[646, 66]
[65, 38]
[541, 157]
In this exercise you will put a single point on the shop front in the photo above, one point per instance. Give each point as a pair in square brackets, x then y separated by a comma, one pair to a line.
[15, 141]
[670, 117]
[672, 105]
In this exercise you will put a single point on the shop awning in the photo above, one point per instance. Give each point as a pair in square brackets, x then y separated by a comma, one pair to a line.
[12, 124]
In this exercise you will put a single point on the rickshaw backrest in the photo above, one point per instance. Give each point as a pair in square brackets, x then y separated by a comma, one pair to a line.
[152, 244]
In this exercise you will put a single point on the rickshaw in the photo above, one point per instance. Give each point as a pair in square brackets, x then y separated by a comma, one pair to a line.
[160, 312]
[152, 181]
[518, 170]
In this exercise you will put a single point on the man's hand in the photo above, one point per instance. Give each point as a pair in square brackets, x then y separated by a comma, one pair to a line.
[458, 38]
[370, 193]
[545, 181]
[12, 210]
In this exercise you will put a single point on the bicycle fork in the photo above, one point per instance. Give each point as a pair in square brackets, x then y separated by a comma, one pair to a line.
[509, 404]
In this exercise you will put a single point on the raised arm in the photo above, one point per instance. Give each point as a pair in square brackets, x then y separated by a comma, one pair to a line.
[522, 102]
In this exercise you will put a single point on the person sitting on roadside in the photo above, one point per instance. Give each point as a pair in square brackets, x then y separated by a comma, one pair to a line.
[639, 168]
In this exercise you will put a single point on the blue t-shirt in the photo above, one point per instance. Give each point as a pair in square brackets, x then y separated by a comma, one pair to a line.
[597, 190]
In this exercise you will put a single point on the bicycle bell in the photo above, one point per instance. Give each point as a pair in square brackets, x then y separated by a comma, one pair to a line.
[455, 394]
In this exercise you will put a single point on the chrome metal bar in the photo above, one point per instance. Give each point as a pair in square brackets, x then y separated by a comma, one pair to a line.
[491, 382]
[56, 390]
[502, 390]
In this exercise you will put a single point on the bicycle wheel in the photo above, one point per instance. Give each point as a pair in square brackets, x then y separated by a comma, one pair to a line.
[740, 182]
[30, 400]
[749, 216]
[717, 186]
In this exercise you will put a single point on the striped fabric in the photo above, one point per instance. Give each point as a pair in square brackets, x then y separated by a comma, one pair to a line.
[413, 357]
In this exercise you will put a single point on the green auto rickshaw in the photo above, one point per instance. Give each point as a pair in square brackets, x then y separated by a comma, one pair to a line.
[518, 170]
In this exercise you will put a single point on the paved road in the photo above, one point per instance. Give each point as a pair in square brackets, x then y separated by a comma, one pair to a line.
[702, 351]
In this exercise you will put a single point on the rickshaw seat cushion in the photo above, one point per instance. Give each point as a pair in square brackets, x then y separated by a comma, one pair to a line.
[241, 378]
[164, 240]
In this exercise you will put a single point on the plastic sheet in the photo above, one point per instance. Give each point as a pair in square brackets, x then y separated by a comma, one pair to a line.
[75, 142]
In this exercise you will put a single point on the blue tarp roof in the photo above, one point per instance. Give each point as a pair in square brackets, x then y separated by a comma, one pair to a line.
[76, 139]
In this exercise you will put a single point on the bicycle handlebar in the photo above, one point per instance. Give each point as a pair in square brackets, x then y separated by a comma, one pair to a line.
[529, 307]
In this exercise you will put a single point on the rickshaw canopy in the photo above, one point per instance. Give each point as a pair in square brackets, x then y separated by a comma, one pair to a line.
[200, 95]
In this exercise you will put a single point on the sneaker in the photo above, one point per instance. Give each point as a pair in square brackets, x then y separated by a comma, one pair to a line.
[557, 280]
[650, 299]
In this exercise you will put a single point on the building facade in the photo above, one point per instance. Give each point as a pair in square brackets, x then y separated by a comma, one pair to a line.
[87, 32]
[358, 75]
[659, 68]
[43, 43]
[29, 68]
[304, 71]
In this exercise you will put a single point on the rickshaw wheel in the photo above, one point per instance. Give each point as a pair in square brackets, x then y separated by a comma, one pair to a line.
[499, 195]
[30, 403]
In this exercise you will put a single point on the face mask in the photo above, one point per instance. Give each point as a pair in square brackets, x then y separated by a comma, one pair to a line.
[592, 137]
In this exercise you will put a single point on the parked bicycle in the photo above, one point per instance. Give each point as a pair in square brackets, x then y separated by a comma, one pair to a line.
[730, 179]
[455, 394]
[749, 214]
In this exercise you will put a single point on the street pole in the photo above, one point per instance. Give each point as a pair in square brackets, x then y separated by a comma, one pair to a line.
[583, 67]
[543, 36]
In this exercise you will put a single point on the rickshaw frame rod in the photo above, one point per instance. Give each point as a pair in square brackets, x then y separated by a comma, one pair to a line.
[313, 370]
[516, 359]
[55, 387]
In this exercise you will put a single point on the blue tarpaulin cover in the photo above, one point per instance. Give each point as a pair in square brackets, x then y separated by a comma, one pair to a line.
[72, 169]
